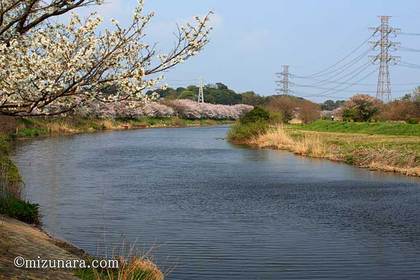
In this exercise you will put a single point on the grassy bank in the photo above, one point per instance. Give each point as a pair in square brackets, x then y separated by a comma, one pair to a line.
[374, 128]
[35, 127]
[10, 181]
[10, 187]
[20, 239]
[391, 147]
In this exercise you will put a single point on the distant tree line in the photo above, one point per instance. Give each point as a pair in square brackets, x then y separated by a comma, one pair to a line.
[363, 108]
[218, 93]
[285, 106]
[330, 105]
[360, 107]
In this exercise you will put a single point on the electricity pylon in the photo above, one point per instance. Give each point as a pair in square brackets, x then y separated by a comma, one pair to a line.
[384, 58]
[284, 81]
[201, 92]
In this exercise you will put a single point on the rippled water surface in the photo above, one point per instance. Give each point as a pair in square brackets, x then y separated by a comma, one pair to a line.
[212, 210]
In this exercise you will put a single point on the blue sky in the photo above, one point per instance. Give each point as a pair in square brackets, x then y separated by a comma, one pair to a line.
[252, 39]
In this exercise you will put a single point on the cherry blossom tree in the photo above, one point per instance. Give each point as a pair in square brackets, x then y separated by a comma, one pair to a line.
[183, 108]
[20, 16]
[50, 68]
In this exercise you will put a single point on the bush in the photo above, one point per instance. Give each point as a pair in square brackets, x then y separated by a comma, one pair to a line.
[243, 132]
[361, 108]
[255, 115]
[401, 110]
[286, 105]
[19, 209]
[412, 121]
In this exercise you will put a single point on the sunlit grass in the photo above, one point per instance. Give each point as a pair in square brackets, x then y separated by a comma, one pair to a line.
[384, 152]
[374, 128]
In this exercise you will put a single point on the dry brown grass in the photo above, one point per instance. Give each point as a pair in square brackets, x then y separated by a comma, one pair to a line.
[380, 152]
[279, 138]
[134, 268]
[60, 128]
[109, 124]
[275, 137]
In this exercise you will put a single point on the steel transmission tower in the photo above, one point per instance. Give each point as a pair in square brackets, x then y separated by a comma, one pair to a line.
[284, 81]
[201, 92]
[384, 58]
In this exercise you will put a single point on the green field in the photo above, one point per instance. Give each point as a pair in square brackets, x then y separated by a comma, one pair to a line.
[374, 128]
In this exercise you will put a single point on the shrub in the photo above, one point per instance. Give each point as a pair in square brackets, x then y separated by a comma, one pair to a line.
[361, 108]
[255, 115]
[401, 110]
[19, 209]
[286, 105]
[412, 121]
[309, 112]
[241, 133]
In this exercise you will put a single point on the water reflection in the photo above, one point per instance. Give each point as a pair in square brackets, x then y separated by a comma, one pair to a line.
[224, 212]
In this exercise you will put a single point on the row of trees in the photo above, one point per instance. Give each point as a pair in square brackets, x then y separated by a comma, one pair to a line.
[49, 68]
[218, 93]
[286, 107]
[363, 107]
[183, 108]
[358, 108]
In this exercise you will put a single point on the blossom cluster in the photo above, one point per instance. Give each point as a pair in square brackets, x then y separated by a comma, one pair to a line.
[55, 68]
[193, 110]
[183, 108]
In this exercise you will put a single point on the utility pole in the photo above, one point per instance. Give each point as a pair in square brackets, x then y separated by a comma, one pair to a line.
[201, 92]
[283, 81]
[384, 58]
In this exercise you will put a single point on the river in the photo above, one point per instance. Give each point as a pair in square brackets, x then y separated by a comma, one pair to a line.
[211, 210]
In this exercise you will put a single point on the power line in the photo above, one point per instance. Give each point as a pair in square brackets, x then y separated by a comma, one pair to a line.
[338, 77]
[325, 93]
[339, 61]
[337, 71]
[409, 34]
[409, 49]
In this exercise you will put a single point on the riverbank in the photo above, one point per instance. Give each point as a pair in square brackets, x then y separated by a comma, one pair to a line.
[29, 242]
[386, 146]
[36, 127]
[21, 239]
[392, 153]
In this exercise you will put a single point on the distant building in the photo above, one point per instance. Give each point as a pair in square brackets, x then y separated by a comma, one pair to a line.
[295, 121]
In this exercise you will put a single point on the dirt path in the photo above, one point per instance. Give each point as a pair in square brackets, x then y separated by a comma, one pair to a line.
[20, 239]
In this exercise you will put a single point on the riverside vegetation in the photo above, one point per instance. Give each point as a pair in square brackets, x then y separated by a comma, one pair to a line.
[11, 204]
[11, 183]
[380, 146]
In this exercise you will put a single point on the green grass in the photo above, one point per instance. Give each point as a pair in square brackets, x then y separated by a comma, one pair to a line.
[10, 179]
[380, 128]
[254, 123]
[10, 185]
[35, 127]
[19, 209]
[243, 132]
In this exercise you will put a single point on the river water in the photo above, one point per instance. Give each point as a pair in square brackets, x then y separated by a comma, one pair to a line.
[211, 210]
